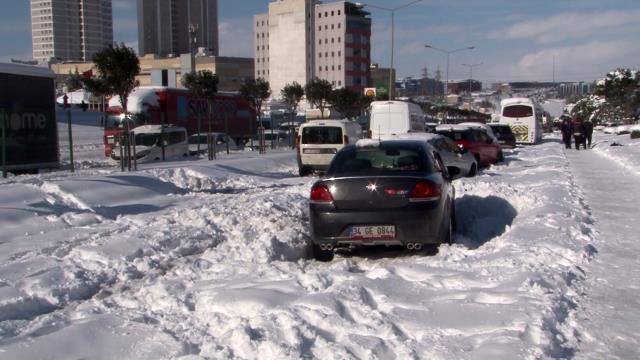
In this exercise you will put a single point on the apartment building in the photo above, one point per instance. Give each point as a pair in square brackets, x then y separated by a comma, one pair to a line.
[343, 48]
[164, 26]
[298, 40]
[70, 30]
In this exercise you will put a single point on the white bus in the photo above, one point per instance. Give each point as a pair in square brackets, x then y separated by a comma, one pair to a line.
[524, 118]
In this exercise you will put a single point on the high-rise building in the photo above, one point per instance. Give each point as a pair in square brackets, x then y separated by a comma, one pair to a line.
[298, 40]
[164, 26]
[343, 48]
[70, 30]
[284, 43]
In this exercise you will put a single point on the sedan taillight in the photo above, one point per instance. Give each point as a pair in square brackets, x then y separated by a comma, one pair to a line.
[425, 191]
[320, 194]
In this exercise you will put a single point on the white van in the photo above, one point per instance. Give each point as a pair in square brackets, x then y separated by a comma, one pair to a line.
[149, 146]
[389, 118]
[319, 140]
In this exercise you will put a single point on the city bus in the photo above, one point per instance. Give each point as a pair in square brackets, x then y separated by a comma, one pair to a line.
[524, 118]
[230, 114]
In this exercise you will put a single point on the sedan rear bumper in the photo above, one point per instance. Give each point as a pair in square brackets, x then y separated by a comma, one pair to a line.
[422, 225]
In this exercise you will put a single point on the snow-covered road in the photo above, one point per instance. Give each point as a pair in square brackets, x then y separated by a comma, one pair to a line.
[203, 259]
[610, 313]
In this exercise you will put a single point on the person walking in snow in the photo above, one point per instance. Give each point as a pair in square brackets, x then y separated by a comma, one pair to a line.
[566, 129]
[578, 133]
[588, 132]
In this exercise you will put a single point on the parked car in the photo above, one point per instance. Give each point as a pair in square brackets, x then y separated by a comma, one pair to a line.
[453, 155]
[319, 140]
[393, 192]
[219, 139]
[505, 136]
[476, 141]
[488, 129]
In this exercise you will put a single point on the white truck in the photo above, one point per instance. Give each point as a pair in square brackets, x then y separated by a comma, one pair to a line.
[390, 118]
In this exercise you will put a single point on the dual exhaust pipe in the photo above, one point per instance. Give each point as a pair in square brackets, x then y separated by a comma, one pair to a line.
[326, 247]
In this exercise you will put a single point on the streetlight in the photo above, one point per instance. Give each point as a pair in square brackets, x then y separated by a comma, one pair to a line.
[392, 86]
[448, 52]
[470, 66]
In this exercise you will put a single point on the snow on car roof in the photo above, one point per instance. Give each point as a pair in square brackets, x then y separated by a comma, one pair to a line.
[367, 143]
[452, 127]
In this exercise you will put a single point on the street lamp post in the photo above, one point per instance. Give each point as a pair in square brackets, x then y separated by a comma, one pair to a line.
[470, 66]
[448, 52]
[393, 14]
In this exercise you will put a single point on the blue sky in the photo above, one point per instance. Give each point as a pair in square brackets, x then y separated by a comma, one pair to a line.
[514, 40]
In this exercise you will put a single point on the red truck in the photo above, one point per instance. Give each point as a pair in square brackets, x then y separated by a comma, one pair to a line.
[146, 105]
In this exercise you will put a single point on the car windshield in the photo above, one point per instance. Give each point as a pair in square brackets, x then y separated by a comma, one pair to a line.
[321, 135]
[379, 160]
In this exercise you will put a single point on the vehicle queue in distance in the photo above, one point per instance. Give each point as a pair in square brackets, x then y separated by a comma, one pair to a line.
[392, 184]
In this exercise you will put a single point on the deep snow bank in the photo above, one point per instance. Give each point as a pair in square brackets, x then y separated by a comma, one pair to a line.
[214, 264]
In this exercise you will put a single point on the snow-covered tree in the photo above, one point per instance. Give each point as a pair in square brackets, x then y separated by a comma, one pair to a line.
[621, 90]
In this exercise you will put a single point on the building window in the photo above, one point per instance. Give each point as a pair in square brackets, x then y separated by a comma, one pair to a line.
[339, 53]
[339, 82]
[333, 83]
[339, 24]
[333, 54]
[320, 69]
[339, 38]
[326, 27]
[338, 12]
[326, 54]
[320, 28]
[333, 68]
[319, 54]
[320, 42]
[319, 15]
[326, 14]
[331, 13]
[332, 26]
[332, 40]
[339, 67]
[326, 41]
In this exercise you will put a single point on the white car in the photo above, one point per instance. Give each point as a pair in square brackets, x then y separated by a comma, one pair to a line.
[319, 140]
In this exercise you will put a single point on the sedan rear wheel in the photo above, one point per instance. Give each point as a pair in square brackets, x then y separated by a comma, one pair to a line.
[321, 255]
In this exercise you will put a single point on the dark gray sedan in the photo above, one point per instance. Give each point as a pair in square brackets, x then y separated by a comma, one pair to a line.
[395, 192]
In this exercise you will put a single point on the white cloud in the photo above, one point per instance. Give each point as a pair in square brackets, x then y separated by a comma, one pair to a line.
[586, 61]
[568, 26]
[236, 37]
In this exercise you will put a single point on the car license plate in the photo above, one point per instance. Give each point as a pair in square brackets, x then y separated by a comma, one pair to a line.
[372, 232]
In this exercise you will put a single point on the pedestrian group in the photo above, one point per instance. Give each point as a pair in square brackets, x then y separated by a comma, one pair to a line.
[581, 131]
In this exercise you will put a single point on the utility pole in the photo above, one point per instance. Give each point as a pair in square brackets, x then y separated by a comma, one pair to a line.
[470, 66]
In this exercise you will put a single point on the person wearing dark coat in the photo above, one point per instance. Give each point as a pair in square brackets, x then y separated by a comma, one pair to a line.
[588, 132]
[578, 134]
[567, 129]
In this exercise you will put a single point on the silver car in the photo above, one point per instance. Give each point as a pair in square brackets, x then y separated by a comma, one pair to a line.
[453, 155]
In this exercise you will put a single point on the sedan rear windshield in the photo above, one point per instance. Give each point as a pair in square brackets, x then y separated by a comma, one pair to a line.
[321, 135]
[379, 161]
[458, 135]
